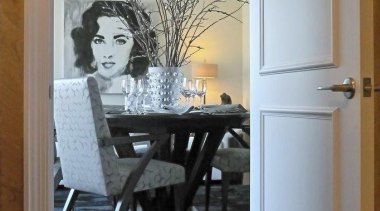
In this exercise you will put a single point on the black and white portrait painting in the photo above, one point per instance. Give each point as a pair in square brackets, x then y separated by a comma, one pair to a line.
[98, 41]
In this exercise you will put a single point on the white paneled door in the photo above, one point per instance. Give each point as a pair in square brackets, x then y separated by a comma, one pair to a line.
[306, 144]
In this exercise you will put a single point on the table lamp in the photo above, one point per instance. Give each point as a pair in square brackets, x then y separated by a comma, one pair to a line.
[204, 71]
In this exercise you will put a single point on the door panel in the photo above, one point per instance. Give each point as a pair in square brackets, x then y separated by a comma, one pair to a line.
[311, 38]
[303, 139]
[296, 47]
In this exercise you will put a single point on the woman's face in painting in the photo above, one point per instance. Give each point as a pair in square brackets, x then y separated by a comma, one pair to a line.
[111, 46]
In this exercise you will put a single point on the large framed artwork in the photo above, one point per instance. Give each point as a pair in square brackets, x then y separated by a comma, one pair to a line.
[98, 42]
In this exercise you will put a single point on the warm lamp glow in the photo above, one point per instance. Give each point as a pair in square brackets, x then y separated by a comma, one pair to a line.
[204, 70]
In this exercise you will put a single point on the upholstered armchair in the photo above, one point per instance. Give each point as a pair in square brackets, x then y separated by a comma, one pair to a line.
[228, 161]
[87, 155]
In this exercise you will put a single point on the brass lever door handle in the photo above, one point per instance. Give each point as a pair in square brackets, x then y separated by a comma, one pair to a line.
[347, 87]
[338, 88]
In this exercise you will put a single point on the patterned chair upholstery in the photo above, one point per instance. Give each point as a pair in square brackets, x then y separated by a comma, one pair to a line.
[232, 160]
[90, 164]
[228, 161]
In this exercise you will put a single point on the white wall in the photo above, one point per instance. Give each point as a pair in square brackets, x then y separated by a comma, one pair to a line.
[245, 58]
[225, 44]
[58, 39]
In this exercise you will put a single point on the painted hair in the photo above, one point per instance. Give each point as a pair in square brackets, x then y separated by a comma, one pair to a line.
[84, 35]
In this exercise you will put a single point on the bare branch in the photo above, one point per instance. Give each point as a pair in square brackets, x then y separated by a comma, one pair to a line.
[180, 24]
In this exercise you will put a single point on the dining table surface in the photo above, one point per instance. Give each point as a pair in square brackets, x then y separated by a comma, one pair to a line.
[206, 129]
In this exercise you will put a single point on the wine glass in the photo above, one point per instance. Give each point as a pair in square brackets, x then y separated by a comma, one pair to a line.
[146, 101]
[192, 89]
[133, 96]
[126, 90]
[185, 91]
[140, 93]
[201, 88]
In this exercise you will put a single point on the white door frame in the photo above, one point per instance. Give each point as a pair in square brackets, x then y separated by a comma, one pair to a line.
[38, 144]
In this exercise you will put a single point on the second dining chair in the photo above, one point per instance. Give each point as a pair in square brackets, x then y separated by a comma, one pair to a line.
[228, 161]
[87, 155]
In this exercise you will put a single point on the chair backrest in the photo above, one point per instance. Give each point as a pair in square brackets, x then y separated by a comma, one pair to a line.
[80, 122]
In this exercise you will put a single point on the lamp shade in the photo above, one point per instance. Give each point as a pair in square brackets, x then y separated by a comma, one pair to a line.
[204, 70]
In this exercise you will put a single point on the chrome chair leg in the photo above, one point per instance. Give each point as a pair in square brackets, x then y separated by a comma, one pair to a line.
[70, 201]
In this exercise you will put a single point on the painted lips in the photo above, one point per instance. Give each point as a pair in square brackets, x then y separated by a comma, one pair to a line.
[108, 65]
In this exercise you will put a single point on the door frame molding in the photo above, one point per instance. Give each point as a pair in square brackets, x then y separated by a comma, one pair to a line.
[369, 112]
[376, 81]
[38, 144]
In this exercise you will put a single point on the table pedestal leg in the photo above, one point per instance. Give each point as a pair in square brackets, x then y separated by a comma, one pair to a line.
[202, 163]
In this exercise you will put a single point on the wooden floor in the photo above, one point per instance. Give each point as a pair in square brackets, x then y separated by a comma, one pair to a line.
[238, 200]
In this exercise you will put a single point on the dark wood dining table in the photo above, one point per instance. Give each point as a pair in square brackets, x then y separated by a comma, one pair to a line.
[207, 129]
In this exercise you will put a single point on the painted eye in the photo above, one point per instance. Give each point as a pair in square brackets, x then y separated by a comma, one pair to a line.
[98, 41]
[120, 41]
